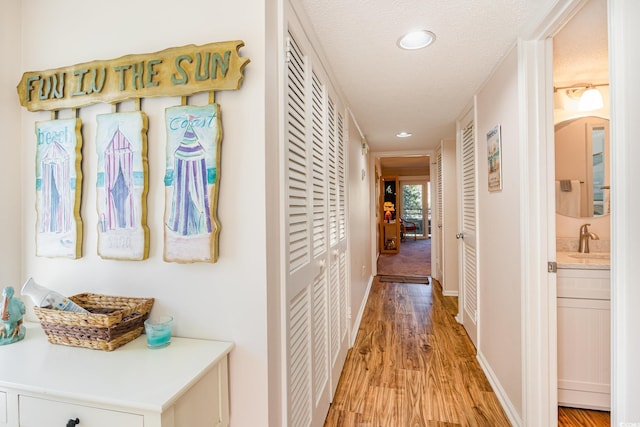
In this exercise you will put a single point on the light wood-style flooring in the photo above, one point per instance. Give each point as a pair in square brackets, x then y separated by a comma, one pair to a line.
[570, 417]
[413, 365]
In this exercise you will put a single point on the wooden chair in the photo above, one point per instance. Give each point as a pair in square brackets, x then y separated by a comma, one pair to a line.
[407, 226]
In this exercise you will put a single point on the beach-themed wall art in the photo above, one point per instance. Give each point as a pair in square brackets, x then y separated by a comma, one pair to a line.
[191, 180]
[121, 185]
[194, 135]
[494, 157]
[177, 71]
[58, 188]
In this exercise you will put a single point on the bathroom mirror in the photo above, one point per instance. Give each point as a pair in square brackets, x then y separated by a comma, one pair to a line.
[582, 167]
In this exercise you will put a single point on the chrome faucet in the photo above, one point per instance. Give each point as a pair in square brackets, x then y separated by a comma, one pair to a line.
[585, 235]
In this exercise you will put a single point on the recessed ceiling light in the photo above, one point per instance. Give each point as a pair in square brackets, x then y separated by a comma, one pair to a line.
[416, 39]
[403, 134]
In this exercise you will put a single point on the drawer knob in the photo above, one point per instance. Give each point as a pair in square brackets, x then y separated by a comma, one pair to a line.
[73, 423]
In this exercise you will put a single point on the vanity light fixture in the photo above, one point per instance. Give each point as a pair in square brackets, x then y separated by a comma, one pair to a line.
[416, 39]
[588, 96]
[403, 134]
[591, 99]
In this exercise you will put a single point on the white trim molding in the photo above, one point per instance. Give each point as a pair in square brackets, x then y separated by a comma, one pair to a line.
[539, 317]
[538, 350]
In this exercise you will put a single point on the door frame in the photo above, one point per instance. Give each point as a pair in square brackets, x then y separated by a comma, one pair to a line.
[422, 181]
[374, 165]
[537, 216]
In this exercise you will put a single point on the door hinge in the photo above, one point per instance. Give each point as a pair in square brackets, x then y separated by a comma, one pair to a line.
[288, 51]
[552, 267]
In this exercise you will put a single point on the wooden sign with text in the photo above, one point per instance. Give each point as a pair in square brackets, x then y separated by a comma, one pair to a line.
[178, 71]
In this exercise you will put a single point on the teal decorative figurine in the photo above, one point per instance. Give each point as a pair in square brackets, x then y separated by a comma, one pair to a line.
[11, 327]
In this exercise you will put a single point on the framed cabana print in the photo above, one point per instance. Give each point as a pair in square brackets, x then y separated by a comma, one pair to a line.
[121, 186]
[191, 226]
[58, 188]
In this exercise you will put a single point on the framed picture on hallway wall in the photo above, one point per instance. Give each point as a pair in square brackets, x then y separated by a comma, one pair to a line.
[494, 157]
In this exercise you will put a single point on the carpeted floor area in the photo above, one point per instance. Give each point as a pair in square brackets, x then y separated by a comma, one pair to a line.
[413, 260]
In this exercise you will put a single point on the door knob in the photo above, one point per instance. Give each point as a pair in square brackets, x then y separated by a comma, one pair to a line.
[460, 236]
[73, 423]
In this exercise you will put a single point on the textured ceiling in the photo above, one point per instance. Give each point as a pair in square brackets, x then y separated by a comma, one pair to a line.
[422, 91]
[580, 51]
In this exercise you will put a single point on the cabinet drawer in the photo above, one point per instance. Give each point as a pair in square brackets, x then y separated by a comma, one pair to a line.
[3, 408]
[35, 412]
[585, 284]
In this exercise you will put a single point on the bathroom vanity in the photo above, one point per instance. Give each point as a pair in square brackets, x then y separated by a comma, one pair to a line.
[49, 385]
[584, 330]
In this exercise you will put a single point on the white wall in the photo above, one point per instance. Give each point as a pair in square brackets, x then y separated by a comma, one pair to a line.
[359, 226]
[10, 184]
[226, 300]
[499, 233]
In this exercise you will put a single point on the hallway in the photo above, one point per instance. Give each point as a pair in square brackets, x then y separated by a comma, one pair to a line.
[413, 260]
[412, 365]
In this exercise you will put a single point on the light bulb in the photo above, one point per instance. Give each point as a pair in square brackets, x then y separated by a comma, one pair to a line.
[591, 99]
[416, 39]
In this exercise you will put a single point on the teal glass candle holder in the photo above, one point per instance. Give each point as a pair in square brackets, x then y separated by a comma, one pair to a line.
[158, 331]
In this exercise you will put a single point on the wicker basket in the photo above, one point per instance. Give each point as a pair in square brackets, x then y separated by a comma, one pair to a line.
[111, 322]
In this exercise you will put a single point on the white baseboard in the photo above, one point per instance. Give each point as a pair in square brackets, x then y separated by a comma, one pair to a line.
[356, 324]
[509, 409]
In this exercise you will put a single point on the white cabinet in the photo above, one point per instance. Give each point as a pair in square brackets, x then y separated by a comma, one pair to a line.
[35, 412]
[584, 331]
[46, 385]
[3, 408]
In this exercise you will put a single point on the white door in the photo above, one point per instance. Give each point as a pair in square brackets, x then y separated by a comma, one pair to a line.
[466, 150]
[338, 295]
[306, 282]
[316, 278]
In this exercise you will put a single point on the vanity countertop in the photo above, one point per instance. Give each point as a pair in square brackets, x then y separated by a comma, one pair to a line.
[591, 261]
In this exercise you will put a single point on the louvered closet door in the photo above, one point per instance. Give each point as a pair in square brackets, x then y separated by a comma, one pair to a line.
[439, 213]
[467, 227]
[314, 283]
[338, 295]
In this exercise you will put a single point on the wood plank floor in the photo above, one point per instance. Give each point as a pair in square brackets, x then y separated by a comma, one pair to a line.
[413, 365]
[570, 417]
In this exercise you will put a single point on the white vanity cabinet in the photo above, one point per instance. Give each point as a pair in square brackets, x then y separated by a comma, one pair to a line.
[584, 336]
[47, 385]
